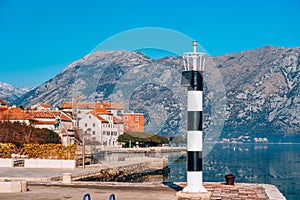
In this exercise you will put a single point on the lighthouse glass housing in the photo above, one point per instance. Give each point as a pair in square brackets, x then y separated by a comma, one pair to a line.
[193, 63]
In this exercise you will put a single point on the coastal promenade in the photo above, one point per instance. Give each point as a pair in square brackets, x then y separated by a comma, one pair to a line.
[40, 186]
[138, 191]
[49, 184]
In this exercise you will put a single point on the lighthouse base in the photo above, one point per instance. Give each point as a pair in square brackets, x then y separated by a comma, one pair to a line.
[194, 195]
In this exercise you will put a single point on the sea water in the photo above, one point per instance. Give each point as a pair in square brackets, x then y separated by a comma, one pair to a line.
[277, 164]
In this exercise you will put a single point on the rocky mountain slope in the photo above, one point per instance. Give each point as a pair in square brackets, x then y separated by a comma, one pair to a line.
[10, 93]
[248, 94]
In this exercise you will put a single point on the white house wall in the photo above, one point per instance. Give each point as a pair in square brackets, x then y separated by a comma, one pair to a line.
[89, 120]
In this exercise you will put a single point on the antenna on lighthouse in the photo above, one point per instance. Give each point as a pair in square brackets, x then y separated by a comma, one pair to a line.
[195, 46]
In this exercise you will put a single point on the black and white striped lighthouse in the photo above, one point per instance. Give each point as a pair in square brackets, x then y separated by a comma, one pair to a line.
[192, 78]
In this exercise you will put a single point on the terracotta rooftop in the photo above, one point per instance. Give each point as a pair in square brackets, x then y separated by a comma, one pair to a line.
[46, 122]
[2, 103]
[135, 114]
[116, 121]
[15, 114]
[65, 117]
[43, 113]
[102, 111]
[98, 117]
[93, 105]
[49, 114]
[2, 108]
[46, 105]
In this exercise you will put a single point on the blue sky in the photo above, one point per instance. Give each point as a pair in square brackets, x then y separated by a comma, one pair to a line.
[38, 39]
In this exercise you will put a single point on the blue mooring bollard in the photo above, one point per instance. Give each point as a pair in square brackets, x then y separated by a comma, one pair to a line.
[112, 197]
[88, 196]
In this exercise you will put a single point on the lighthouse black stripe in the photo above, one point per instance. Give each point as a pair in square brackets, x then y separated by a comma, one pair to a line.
[194, 161]
[194, 120]
[197, 81]
[193, 80]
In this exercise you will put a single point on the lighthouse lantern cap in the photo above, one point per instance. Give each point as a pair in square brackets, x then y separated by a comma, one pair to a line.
[194, 61]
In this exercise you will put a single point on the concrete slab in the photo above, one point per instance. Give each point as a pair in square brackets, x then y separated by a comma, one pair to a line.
[13, 186]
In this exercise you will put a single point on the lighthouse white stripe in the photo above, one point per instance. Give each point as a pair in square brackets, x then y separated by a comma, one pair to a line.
[194, 182]
[195, 100]
[194, 141]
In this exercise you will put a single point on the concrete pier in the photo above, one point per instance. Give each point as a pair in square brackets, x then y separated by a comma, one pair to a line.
[13, 186]
[145, 191]
[60, 184]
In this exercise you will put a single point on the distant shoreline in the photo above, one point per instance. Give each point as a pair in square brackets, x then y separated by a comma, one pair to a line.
[146, 149]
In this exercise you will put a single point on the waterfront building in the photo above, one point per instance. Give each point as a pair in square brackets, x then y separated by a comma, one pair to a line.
[133, 122]
[101, 126]
[57, 121]
[15, 114]
[41, 106]
[82, 108]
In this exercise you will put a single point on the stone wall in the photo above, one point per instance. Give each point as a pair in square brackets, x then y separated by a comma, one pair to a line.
[48, 163]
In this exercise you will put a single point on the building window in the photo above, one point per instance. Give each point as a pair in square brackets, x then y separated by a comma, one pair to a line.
[93, 124]
[125, 117]
[90, 116]
[85, 125]
[137, 118]
[119, 113]
[94, 133]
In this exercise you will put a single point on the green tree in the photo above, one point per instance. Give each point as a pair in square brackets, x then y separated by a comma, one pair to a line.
[178, 140]
[143, 139]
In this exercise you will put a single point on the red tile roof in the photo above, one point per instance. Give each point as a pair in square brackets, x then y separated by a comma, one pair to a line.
[46, 122]
[43, 113]
[93, 105]
[49, 114]
[65, 117]
[15, 114]
[101, 119]
[116, 121]
[2, 108]
[46, 105]
[102, 111]
[3, 103]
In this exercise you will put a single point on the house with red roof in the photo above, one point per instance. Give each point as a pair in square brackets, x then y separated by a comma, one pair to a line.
[133, 122]
[15, 114]
[3, 105]
[82, 108]
[102, 126]
[57, 121]
[41, 106]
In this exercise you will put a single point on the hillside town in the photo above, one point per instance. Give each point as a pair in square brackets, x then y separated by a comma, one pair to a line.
[99, 122]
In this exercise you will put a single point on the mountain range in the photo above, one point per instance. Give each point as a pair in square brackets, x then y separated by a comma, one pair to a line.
[249, 94]
[11, 93]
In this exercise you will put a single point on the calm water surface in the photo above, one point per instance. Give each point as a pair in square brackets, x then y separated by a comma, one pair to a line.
[277, 164]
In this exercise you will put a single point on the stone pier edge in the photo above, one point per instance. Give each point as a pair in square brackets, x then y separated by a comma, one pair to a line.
[271, 191]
